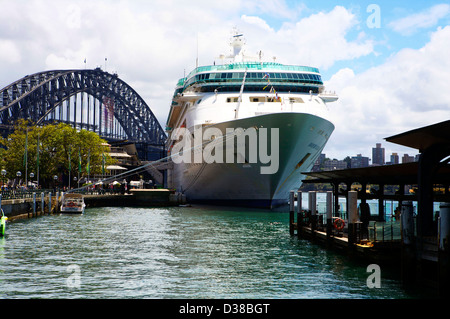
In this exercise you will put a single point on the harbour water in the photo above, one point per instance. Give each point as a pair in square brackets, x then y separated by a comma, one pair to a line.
[178, 252]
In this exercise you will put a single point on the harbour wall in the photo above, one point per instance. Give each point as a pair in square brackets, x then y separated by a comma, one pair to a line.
[29, 207]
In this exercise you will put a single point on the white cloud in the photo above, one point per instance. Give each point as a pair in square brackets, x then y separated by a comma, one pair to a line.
[257, 21]
[151, 44]
[321, 39]
[425, 19]
[155, 42]
[408, 91]
[9, 53]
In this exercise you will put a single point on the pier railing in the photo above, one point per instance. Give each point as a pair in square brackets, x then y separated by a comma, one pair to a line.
[349, 224]
[376, 231]
[22, 194]
[384, 231]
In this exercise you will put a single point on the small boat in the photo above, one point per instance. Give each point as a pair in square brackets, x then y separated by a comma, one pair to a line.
[73, 204]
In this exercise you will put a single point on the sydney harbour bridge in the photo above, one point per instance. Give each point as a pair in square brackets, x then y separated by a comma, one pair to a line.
[86, 99]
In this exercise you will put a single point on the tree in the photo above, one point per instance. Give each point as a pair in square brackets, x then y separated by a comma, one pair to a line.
[348, 160]
[55, 150]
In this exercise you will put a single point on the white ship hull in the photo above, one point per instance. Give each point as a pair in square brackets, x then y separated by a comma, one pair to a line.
[285, 102]
[302, 137]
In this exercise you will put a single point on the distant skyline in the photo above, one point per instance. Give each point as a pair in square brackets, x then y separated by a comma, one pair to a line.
[395, 156]
[387, 60]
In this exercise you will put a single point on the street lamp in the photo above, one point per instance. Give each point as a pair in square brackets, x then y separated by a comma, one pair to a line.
[31, 178]
[18, 174]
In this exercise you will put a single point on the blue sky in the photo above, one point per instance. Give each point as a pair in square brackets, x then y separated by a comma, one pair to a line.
[389, 79]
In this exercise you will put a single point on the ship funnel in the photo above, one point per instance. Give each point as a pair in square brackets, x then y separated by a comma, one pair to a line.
[237, 43]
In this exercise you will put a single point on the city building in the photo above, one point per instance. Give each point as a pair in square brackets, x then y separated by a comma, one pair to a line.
[334, 164]
[359, 161]
[319, 163]
[378, 155]
[407, 159]
[394, 159]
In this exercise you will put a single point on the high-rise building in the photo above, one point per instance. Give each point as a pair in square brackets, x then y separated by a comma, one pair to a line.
[378, 155]
[395, 159]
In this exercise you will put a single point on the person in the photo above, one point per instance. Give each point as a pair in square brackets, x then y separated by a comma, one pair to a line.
[396, 214]
[365, 218]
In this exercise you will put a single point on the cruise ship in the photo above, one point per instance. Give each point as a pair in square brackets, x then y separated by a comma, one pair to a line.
[243, 131]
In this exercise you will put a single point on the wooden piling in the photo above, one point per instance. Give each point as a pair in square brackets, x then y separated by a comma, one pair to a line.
[299, 212]
[291, 212]
[34, 204]
[49, 203]
[329, 215]
[444, 250]
[408, 258]
[42, 203]
[312, 196]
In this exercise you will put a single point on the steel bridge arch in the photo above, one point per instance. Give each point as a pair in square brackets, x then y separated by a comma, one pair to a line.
[41, 97]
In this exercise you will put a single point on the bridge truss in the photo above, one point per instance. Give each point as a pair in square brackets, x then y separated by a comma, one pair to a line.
[87, 99]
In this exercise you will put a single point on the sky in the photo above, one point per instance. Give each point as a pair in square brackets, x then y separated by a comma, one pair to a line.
[387, 60]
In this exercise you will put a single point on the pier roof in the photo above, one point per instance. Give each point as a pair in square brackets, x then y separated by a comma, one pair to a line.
[387, 175]
[424, 137]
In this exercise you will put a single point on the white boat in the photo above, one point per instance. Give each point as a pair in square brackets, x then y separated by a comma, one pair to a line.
[243, 132]
[72, 203]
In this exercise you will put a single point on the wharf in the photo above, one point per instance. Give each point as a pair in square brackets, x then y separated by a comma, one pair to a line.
[422, 249]
[380, 252]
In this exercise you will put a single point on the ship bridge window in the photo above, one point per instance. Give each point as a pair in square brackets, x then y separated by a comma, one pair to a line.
[257, 99]
[296, 100]
[262, 99]
[232, 99]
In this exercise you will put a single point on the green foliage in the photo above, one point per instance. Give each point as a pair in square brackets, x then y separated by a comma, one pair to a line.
[60, 148]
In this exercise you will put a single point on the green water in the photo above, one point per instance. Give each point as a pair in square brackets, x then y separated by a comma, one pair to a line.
[182, 252]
